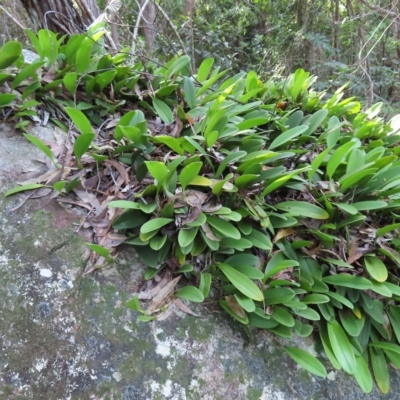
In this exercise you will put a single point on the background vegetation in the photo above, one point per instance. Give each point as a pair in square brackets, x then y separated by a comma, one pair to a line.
[281, 195]
[354, 41]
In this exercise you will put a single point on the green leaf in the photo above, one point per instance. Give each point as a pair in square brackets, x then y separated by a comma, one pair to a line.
[350, 281]
[351, 323]
[184, 268]
[250, 272]
[82, 143]
[363, 376]
[273, 268]
[209, 82]
[126, 204]
[379, 366]
[341, 299]
[171, 142]
[163, 111]
[9, 53]
[225, 227]
[369, 205]
[178, 65]
[259, 239]
[283, 316]
[307, 313]
[328, 348]
[211, 138]
[105, 78]
[190, 293]
[376, 268]
[302, 330]
[282, 180]
[70, 82]
[316, 120]
[241, 282]
[341, 347]
[189, 172]
[204, 69]
[155, 224]
[287, 136]
[100, 250]
[234, 156]
[40, 145]
[386, 229]
[157, 242]
[6, 99]
[28, 72]
[302, 209]
[189, 92]
[79, 119]
[307, 361]
[278, 295]
[133, 304]
[337, 157]
[315, 164]
[83, 57]
[22, 188]
[205, 283]
[386, 346]
[158, 171]
[247, 304]
[315, 298]
[353, 178]
[186, 236]
[394, 317]
[346, 208]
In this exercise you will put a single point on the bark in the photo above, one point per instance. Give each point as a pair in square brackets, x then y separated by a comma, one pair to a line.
[189, 8]
[61, 16]
[149, 16]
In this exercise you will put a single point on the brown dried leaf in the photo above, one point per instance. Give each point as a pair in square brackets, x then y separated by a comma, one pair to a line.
[159, 299]
[192, 216]
[208, 208]
[182, 306]
[150, 293]
[283, 233]
[177, 128]
[354, 253]
[235, 306]
[209, 233]
[121, 169]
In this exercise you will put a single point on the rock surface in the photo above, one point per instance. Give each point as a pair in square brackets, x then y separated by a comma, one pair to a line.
[64, 335]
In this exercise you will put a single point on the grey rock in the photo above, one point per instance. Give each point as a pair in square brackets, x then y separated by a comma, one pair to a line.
[66, 336]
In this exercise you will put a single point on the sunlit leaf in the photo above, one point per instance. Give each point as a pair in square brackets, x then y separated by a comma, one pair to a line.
[241, 282]
[376, 268]
[341, 347]
[307, 361]
[302, 209]
[190, 293]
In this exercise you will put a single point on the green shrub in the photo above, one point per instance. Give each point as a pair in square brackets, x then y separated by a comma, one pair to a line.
[285, 201]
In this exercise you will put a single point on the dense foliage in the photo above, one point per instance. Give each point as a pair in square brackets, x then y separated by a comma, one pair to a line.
[280, 196]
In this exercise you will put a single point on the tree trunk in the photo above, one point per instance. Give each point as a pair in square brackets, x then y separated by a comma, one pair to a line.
[149, 16]
[189, 8]
[61, 16]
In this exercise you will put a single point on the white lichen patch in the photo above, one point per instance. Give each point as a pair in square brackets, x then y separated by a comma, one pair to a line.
[272, 393]
[40, 364]
[331, 375]
[117, 376]
[170, 347]
[170, 390]
[46, 273]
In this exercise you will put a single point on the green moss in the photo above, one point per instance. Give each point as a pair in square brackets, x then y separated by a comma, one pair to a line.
[254, 394]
